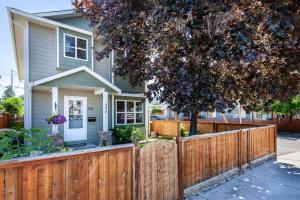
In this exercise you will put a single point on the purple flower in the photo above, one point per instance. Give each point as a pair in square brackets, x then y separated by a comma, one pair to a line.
[56, 119]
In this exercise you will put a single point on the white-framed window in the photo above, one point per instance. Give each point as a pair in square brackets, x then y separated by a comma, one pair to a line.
[129, 112]
[75, 47]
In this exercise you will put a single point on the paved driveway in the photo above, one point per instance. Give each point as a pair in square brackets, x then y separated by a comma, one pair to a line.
[278, 180]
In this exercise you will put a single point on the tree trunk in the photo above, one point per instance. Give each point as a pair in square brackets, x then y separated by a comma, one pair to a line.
[193, 125]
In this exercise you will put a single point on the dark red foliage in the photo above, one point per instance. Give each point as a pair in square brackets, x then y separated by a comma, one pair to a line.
[202, 55]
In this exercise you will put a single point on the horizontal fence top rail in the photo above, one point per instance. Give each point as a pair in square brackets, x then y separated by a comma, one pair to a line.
[208, 135]
[61, 156]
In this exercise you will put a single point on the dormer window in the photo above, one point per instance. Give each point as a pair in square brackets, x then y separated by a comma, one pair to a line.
[75, 47]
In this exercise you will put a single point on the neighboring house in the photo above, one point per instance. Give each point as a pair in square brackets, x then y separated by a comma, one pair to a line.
[166, 112]
[54, 57]
[235, 115]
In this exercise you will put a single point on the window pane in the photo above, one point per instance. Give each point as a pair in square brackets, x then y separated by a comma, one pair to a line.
[75, 121]
[120, 106]
[69, 41]
[70, 51]
[139, 107]
[139, 118]
[130, 106]
[120, 118]
[130, 118]
[81, 43]
[81, 54]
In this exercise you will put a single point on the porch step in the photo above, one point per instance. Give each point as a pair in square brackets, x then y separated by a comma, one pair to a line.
[79, 147]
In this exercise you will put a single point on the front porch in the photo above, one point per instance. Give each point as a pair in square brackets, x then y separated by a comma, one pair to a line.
[87, 112]
[85, 98]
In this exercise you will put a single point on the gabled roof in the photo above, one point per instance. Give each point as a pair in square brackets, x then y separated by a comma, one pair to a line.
[46, 21]
[17, 18]
[59, 14]
[73, 71]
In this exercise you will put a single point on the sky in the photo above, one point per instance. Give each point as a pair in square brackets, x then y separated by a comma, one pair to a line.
[7, 61]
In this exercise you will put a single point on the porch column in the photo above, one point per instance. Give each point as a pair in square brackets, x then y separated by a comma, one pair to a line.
[105, 111]
[54, 92]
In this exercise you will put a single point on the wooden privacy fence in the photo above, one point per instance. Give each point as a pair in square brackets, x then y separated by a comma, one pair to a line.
[162, 169]
[104, 174]
[171, 127]
[4, 117]
[209, 155]
[283, 125]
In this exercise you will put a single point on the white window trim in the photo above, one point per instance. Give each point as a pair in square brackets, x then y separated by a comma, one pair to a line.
[125, 112]
[76, 58]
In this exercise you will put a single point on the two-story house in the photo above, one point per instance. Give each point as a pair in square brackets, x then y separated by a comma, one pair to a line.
[54, 53]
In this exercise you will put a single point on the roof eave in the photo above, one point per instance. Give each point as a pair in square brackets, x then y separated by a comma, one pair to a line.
[12, 32]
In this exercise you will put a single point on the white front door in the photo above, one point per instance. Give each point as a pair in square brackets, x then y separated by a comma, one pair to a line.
[75, 110]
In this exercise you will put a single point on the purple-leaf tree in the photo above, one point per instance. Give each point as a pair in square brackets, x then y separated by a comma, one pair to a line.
[202, 55]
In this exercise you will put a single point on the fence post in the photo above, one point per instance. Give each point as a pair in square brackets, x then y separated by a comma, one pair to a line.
[135, 189]
[240, 151]
[178, 129]
[249, 145]
[179, 165]
[275, 140]
[214, 127]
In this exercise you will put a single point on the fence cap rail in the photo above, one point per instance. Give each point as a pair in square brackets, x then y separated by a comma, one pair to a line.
[60, 155]
[208, 135]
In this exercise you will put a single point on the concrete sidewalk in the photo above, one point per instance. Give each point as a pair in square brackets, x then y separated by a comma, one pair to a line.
[276, 180]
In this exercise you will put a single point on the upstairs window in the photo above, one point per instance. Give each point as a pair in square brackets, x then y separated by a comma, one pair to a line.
[75, 47]
[129, 112]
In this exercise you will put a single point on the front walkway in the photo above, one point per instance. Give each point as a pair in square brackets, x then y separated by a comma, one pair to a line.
[273, 180]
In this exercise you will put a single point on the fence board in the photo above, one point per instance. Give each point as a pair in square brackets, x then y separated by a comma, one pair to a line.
[71, 178]
[103, 170]
[2, 178]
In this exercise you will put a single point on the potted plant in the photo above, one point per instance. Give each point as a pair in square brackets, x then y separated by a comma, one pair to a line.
[56, 119]
[56, 135]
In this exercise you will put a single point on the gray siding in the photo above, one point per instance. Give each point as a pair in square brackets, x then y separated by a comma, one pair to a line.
[42, 52]
[41, 109]
[79, 22]
[124, 85]
[81, 79]
[102, 67]
[66, 63]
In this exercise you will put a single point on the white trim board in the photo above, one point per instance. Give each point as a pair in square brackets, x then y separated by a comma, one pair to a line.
[12, 33]
[47, 21]
[75, 70]
[140, 95]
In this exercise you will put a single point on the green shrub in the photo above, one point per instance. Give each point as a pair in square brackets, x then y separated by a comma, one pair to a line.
[39, 141]
[123, 134]
[21, 143]
[126, 134]
[137, 135]
[16, 125]
[184, 132]
[11, 144]
[156, 111]
[14, 105]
